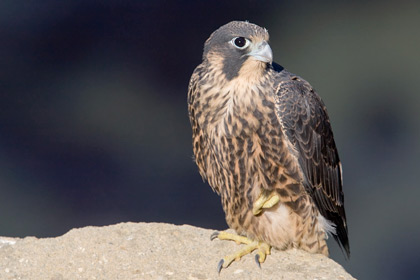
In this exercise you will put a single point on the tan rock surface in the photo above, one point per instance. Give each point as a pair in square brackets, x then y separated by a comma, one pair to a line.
[149, 251]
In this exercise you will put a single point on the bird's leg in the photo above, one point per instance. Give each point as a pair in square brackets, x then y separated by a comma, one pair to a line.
[263, 249]
[265, 200]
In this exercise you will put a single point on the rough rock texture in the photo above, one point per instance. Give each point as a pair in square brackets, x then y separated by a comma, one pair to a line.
[149, 251]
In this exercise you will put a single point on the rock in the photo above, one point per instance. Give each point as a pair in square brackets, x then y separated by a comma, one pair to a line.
[149, 251]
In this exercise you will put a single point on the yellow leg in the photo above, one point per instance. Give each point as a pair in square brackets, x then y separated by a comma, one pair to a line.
[263, 249]
[265, 201]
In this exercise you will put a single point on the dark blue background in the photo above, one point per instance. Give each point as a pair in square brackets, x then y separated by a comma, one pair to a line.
[94, 127]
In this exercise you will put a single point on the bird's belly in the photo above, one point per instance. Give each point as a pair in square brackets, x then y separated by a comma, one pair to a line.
[275, 226]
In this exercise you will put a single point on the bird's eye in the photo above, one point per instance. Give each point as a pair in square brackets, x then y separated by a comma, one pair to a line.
[240, 42]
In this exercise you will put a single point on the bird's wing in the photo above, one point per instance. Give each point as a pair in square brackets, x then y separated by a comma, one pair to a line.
[202, 154]
[306, 126]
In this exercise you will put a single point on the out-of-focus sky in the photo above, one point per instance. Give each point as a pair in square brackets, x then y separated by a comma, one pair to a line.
[94, 127]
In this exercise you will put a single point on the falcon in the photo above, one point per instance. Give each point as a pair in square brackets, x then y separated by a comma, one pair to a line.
[262, 139]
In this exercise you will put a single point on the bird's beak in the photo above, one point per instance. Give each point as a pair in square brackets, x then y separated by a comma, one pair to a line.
[262, 52]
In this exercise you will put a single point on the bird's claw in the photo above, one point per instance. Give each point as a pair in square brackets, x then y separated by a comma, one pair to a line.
[214, 235]
[263, 249]
[257, 260]
[220, 265]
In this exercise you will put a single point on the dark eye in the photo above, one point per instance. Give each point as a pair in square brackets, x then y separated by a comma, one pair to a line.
[240, 42]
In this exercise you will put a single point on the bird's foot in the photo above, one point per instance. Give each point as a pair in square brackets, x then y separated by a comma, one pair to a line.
[263, 249]
[265, 200]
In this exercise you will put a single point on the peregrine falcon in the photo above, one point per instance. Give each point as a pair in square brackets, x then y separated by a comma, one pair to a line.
[263, 140]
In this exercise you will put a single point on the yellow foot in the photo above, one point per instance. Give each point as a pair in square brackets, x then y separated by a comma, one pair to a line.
[265, 200]
[251, 245]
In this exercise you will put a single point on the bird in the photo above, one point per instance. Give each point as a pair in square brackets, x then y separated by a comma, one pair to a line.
[262, 139]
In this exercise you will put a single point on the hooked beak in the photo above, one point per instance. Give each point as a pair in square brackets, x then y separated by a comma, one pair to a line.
[262, 52]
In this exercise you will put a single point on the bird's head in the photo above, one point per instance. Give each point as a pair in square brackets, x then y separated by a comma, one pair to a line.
[238, 47]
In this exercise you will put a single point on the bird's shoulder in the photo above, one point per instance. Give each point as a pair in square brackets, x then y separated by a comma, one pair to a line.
[296, 97]
[194, 80]
[286, 82]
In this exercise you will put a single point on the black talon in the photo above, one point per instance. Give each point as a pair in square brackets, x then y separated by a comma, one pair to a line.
[257, 260]
[214, 235]
[220, 266]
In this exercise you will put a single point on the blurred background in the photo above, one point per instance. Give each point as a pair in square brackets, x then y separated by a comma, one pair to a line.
[94, 127]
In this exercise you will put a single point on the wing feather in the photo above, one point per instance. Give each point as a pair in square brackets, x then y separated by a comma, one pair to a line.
[306, 125]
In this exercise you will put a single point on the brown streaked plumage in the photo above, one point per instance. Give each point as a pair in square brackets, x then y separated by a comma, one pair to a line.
[260, 131]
